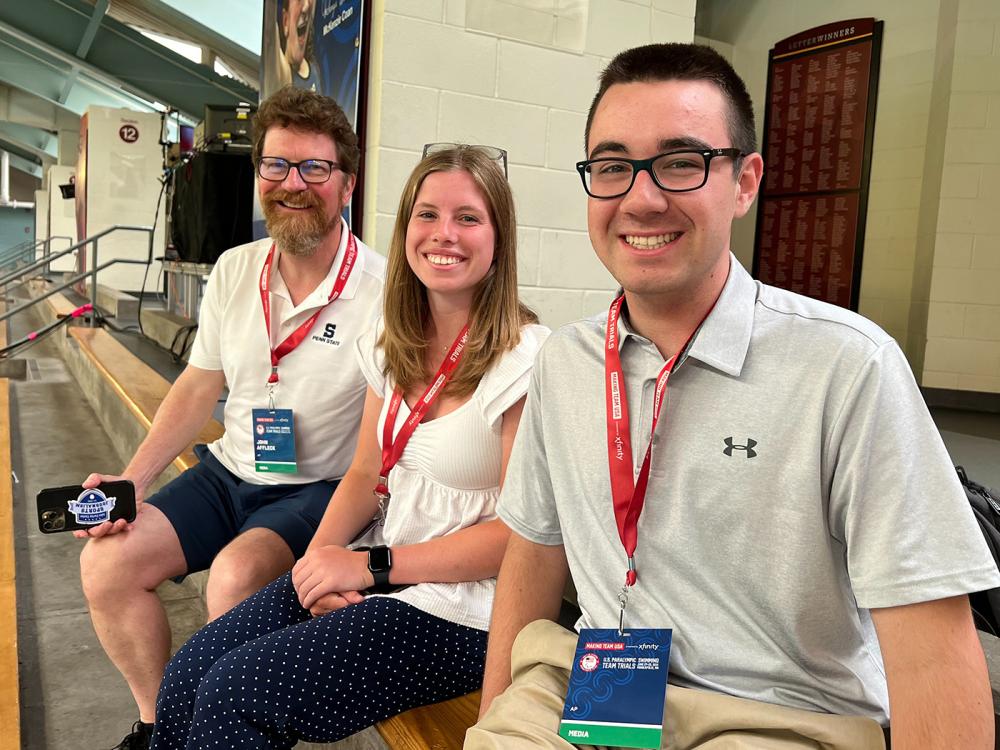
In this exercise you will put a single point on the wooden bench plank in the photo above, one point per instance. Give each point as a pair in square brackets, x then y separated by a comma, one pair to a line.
[141, 389]
[60, 305]
[440, 726]
[10, 702]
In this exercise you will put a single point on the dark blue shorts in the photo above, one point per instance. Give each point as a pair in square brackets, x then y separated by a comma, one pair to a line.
[209, 506]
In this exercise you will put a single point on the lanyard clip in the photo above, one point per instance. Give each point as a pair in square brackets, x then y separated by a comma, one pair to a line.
[622, 601]
[381, 491]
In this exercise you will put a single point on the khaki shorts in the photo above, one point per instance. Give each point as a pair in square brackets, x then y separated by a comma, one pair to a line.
[527, 714]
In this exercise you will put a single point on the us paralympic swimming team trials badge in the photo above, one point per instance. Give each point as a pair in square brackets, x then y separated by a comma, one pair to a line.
[92, 507]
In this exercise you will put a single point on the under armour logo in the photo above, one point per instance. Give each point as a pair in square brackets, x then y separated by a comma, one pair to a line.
[749, 447]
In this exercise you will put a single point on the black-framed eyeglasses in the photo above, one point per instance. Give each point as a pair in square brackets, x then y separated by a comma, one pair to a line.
[495, 153]
[314, 171]
[673, 171]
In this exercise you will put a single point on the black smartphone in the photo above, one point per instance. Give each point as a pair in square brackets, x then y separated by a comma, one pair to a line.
[71, 508]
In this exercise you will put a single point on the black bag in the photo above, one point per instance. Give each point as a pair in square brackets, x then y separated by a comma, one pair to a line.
[986, 508]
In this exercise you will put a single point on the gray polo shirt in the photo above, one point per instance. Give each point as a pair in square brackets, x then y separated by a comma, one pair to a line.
[797, 481]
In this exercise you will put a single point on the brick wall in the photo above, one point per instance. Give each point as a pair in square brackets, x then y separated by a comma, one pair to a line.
[518, 74]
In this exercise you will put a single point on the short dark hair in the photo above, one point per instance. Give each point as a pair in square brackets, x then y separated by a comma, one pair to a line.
[292, 107]
[683, 62]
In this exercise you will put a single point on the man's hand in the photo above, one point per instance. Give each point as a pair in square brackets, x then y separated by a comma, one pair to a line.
[330, 570]
[109, 527]
[332, 602]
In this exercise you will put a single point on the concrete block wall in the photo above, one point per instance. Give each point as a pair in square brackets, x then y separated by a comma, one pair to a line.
[930, 194]
[519, 74]
[963, 316]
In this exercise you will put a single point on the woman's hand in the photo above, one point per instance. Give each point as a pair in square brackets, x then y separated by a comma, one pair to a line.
[330, 570]
[333, 602]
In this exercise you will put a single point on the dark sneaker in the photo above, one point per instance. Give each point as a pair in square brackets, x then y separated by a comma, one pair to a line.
[137, 739]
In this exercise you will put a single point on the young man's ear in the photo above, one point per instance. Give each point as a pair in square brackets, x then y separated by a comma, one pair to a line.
[748, 182]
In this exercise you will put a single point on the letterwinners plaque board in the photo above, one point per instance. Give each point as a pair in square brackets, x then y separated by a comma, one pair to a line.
[818, 125]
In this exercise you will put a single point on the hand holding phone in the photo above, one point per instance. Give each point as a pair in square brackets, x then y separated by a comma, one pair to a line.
[77, 508]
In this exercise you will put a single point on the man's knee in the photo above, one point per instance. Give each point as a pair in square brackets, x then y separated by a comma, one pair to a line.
[139, 559]
[110, 566]
[245, 566]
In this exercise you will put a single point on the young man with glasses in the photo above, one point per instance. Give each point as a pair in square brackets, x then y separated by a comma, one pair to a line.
[277, 326]
[796, 521]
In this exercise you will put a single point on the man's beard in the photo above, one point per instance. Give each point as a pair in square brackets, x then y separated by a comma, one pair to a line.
[300, 233]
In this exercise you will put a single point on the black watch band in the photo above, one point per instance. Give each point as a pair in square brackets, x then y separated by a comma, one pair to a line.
[379, 565]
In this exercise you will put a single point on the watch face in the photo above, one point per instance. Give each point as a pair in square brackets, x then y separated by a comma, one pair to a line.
[379, 559]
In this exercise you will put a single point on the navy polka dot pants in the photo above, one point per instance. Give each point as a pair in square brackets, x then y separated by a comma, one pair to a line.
[267, 674]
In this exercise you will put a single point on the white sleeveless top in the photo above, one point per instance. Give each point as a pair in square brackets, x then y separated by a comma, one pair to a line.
[448, 477]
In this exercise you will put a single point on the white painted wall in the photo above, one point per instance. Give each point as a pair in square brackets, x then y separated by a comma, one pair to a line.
[519, 74]
[122, 188]
[62, 215]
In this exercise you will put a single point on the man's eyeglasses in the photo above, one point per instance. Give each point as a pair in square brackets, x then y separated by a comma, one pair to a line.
[674, 171]
[314, 171]
[493, 152]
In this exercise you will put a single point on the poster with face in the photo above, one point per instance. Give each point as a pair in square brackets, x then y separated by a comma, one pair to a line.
[320, 45]
[317, 45]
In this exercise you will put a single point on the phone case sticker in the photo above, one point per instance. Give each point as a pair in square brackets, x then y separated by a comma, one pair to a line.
[92, 507]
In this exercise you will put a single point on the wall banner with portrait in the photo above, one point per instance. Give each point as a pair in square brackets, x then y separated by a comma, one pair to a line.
[819, 122]
[320, 45]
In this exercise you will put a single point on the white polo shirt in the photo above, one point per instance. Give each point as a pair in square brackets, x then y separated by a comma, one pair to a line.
[320, 380]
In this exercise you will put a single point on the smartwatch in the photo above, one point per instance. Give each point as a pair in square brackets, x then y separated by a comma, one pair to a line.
[379, 565]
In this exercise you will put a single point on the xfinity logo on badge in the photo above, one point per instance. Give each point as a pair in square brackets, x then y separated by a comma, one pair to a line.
[749, 447]
[92, 507]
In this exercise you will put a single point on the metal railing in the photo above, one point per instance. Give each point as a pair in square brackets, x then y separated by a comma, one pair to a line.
[92, 273]
[26, 249]
[15, 253]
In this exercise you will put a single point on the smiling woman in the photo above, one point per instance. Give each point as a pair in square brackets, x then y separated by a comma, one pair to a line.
[458, 208]
[403, 624]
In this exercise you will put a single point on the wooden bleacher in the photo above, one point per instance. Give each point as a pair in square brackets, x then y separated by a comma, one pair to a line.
[440, 726]
[140, 388]
[10, 702]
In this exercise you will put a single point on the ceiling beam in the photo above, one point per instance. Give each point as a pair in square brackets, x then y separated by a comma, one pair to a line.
[20, 163]
[60, 65]
[100, 8]
[44, 77]
[40, 143]
[138, 65]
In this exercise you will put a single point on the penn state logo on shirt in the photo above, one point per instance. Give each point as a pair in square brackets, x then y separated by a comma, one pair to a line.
[328, 335]
[92, 507]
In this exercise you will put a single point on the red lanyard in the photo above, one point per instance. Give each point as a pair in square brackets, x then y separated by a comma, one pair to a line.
[296, 337]
[629, 496]
[393, 449]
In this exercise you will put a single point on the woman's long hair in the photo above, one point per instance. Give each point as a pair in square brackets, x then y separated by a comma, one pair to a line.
[497, 314]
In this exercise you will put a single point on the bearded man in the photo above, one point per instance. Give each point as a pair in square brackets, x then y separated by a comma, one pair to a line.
[277, 326]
